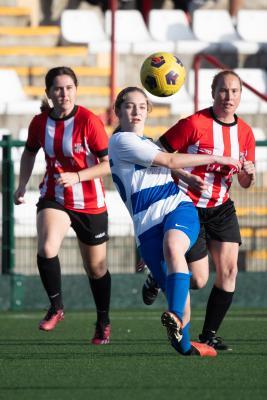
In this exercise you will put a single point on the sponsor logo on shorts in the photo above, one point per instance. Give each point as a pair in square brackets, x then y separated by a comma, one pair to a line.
[100, 235]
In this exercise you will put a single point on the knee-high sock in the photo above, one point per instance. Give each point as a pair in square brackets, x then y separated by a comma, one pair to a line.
[101, 289]
[49, 269]
[184, 345]
[177, 288]
[217, 307]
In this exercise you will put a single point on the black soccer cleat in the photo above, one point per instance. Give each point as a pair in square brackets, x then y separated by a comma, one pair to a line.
[214, 341]
[150, 290]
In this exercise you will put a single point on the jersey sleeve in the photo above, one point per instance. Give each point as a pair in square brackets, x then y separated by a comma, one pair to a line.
[250, 146]
[135, 149]
[97, 138]
[179, 136]
[33, 143]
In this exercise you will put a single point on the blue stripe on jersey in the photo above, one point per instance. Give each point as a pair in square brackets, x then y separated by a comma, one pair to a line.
[144, 198]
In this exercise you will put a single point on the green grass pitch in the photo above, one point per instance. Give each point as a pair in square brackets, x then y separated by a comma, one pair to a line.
[137, 364]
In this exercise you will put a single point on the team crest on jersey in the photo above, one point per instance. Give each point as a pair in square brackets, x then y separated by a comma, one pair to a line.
[78, 148]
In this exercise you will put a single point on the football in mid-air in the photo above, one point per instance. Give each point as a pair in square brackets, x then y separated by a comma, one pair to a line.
[162, 74]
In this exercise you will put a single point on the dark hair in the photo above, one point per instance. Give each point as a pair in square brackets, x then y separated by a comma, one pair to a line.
[58, 71]
[122, 95]
[49, 81]
[221, 74]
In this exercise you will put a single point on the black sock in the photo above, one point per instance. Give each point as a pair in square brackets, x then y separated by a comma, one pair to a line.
[49, 269]
[101, 289]
[218, 305]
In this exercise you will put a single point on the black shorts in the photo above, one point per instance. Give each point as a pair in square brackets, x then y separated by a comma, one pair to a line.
[91, 229]
[216, 223]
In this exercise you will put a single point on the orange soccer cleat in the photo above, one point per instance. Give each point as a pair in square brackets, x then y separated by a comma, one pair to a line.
[51, 319]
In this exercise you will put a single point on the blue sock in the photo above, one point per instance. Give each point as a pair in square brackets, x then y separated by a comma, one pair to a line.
[177, 289]
[184, 344]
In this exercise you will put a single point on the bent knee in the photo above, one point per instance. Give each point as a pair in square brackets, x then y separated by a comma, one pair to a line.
[198, 282]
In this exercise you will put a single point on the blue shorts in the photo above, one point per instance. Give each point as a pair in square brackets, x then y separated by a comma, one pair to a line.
[184, 218]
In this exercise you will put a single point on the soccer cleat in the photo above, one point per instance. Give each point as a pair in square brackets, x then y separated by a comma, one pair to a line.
[51, 319]
[150, 290]
[214, 341]
[202, 350]
[102, 334]
[196, 349]
[174, 326]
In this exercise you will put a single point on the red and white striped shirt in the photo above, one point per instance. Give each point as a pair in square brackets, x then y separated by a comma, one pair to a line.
[202, 133]
[70, 145]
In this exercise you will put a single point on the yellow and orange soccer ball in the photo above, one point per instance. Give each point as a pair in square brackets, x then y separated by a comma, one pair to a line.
[162, 74]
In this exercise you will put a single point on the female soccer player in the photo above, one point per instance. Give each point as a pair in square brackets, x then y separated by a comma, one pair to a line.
[71, 194]
[215, 130]
[165, 220]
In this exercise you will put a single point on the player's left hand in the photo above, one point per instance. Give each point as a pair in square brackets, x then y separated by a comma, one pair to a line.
[67, 179]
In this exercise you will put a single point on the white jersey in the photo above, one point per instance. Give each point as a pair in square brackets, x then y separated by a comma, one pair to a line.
[148, 192]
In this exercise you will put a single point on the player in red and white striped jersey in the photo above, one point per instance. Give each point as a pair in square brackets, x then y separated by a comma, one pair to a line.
[216, 130]
[71, 194]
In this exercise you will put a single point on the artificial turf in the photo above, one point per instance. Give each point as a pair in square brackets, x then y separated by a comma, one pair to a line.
[138, 364]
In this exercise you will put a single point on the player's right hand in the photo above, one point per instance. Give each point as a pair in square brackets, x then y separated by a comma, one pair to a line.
[19, 196]
[196, 182]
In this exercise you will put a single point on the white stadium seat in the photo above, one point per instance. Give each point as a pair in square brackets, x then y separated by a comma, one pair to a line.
[131, 30]
[85, 27]
[216, 26]
[172, 26]
[82, 26]
[13, 100]
[252, 26]
[250, 102]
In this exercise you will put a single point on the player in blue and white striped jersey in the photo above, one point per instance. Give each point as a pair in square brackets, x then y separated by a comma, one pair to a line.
[165, 220]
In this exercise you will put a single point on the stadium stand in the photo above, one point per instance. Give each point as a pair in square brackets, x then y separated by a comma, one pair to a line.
[13, 99]
[139, 40]
[252, 27]
[216, 26]
[172, 26]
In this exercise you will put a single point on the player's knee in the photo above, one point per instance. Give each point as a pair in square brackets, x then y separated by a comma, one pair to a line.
[229, 272]
[198, 282]
[47, 250]
[96, 270]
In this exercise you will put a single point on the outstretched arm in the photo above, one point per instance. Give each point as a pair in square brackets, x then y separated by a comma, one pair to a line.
[179, 160]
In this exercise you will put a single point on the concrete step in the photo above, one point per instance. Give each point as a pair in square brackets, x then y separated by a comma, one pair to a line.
[47, 56]
[87, 76]
[14, 16]
[29, 35]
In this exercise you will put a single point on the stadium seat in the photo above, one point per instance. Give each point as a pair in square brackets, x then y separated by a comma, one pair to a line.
[216, 26]
[250, 103]
[131, 30]
[204, 86]
[84, 27]
[172, 26]
[252, 26]
[13, 100]
[259, 133]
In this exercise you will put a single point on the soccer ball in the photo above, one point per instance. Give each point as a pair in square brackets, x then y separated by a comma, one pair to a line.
[162, 74]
